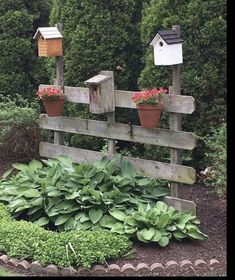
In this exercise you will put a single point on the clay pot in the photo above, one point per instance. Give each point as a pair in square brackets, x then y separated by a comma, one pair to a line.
[54, 108]
[149, 114]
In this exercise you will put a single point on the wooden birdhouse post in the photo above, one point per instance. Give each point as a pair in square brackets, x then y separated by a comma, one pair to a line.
[101, 93]
[49, 41]
[167, 46]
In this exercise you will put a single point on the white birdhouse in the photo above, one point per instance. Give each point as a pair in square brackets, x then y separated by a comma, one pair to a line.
[167, 45]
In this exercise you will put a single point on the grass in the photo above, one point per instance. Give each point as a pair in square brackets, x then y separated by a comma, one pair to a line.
[4, 272]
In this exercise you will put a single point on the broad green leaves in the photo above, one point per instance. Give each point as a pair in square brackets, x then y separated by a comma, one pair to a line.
[107, 194]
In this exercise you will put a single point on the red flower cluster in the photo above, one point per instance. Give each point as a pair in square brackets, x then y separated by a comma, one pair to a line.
[149, 96]
[50, 93]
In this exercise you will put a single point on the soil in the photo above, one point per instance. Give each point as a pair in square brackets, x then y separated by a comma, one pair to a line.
[212, 212]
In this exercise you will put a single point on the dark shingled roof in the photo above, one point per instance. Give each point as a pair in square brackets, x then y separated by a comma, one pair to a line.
[170, 36]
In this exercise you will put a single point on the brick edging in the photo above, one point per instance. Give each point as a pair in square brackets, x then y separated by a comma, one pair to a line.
[185, 267]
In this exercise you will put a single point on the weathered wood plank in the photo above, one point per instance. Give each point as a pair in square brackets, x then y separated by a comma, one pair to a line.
[155, 169]
[181, 204]
[119, 131]
[176, 104]
[58, 135]
[111, 115]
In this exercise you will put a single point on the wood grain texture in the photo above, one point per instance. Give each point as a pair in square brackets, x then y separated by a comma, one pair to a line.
[119, 131]
[181, 204]
[155, 169]
[172, 103]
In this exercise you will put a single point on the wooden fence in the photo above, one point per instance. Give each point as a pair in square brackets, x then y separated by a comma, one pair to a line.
[175, 140]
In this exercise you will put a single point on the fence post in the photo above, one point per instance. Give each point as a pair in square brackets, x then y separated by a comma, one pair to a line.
[58, 135]
[110, 115]
[175, 118]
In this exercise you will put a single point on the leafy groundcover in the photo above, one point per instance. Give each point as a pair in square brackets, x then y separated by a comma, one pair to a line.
[81, 206]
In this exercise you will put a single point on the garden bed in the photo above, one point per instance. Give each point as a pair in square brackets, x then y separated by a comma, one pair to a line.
[212, 213]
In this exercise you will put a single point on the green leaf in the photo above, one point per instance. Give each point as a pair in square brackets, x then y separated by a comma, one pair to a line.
[84, 217]
[42, 221]
[31, 193]
[95, 194]
[127, 169]
[17, 203]
[35, 165]
[86, 225]
[148, 233]
[196, 234]
[157, 236]
[95, 215]
[162, 206]
[144, 182]
[140, 237]
[7, 173]
[118, 215]
[37, 201]
[130, 230]
[118, 228]
[61, 220]
[33, 210]
[54, 194]
[107, 221]
[69, 224]
[163, 241]
[21, 166]
[163, 220]
[179, 235]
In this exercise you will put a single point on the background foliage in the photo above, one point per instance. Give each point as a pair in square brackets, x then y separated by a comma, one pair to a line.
[20, 68]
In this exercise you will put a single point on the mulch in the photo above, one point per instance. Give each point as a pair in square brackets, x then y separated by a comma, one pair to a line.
[212, 212]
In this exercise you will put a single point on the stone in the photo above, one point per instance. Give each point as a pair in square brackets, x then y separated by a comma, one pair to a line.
[157, 269]
[128, 269]
[52, 269]
[114, 270]
[68, 271]
[99, 270]
[4, 259]
[13, 262]
[36, 267]
[23, 264]
[143, 269]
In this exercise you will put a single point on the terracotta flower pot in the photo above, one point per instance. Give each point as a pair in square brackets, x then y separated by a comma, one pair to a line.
[54, 108]
[149, 114]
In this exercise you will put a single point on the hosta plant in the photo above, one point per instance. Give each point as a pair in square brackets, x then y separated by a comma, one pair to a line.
[60, 194]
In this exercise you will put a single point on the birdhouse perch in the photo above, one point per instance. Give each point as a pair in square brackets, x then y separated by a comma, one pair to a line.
[49, 41]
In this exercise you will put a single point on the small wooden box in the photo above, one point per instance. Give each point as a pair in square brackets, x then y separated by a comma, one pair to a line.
[101, 94]
[49, 41]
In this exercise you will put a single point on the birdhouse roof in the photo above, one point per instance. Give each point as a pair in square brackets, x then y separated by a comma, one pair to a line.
[170, 36]
[96, 80]
[47, 33]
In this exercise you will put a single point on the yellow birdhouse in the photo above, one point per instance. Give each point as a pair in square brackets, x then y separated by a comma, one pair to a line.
[49, 41]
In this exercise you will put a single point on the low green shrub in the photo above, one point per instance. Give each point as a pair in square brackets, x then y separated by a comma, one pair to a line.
[215, 174]
[21, 239]
[14, 112]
